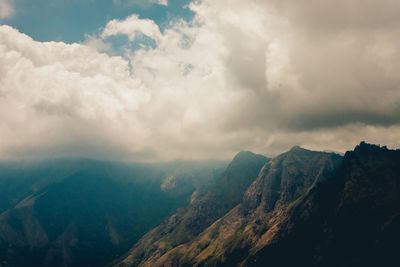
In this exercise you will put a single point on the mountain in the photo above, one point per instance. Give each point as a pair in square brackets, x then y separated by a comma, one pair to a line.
[301, 208]
[206, 207]
[80, 212]
[352, 220]
[305, 208]
[231, 236]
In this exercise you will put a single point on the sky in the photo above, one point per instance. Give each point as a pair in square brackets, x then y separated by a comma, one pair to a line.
[140, 80]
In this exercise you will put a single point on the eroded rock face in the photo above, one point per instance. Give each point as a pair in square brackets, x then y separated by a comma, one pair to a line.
[230, 239]
[351, 220]
[304, 209]
[288, 176]
[203, 211]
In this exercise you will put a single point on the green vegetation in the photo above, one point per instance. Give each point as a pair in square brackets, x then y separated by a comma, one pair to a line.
[87, 213]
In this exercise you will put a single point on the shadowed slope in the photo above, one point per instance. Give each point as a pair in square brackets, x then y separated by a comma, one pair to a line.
[80, 212]
[205, 208]
[352, 220]
[231, 238]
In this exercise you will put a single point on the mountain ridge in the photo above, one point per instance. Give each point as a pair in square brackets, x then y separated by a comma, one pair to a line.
[290, 193]
[352, 220]
[321, 208]
[87, 212]
[238, 226]
[203, 211]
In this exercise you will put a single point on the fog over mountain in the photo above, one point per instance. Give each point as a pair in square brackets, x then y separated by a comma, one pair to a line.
[179, 133]
[196, 79]
[80, 212]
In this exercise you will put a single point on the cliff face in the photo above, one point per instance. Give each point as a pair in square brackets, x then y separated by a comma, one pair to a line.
[304, 209]
[206, 207]
[352, 220]
[288, 176]
[250, 225]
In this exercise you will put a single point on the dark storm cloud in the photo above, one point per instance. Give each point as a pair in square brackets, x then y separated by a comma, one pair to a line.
[343, 56]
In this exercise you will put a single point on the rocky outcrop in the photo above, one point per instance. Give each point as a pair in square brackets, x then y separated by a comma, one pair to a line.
[305, 208]
[203, 211]
[246, 228]
[351, 220]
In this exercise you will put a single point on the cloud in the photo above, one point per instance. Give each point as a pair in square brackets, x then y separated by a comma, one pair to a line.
[258, 75]
[97, 43]
[132, 26]
[64, 99]
[6, 9]
[341, 63]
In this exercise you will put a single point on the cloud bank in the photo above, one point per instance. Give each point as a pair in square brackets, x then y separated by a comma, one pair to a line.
[258, 75]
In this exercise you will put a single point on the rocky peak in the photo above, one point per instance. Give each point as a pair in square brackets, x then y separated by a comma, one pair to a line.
[364, 148]
[296, 148]
[288, 176]
[244, 158]
[240, 173]
[351, 220]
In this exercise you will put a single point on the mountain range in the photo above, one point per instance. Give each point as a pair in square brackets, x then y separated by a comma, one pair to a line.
[81, 212]
[300, 208]
[304, 208]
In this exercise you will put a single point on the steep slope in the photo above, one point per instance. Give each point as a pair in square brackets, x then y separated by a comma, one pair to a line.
[205, 208]
[247, 227]
[20, 179]
[78, 212]
[302, 208]
[352, 220]
[307, 209]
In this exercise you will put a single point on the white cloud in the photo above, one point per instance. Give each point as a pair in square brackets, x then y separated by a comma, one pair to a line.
[242, 75]
[98, 43]
[58, 95]
[132, 26]
[6, 9]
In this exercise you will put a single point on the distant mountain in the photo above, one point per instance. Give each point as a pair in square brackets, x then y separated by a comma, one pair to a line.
[80, 212]
[305, 208]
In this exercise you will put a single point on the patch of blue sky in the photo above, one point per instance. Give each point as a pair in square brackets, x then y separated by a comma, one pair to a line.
[120, 44]
[70, 20]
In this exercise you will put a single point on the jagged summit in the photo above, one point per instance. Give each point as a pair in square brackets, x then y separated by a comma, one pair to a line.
[297, 148]
[300, 150]
[351, 220]
[299, 200]
[244, 153]
[289, 175]
[247, 155]
[243, 160]
[369, 150]
[366, 147]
